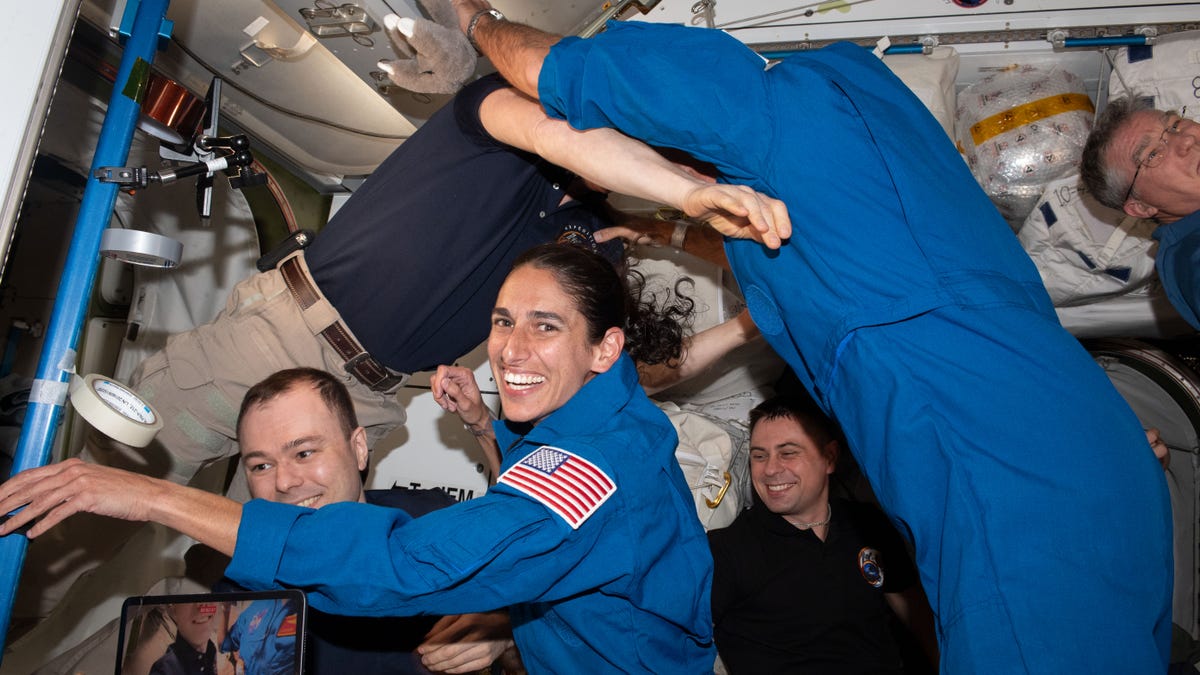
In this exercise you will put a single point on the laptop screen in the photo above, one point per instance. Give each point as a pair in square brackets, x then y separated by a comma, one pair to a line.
[258, 633]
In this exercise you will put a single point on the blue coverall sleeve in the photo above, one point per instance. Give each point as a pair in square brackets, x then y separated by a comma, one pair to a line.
[1179, 269]
[357, 559]
[666, 86]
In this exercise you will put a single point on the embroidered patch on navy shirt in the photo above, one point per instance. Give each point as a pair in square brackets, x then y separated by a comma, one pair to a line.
[563, 482]
[581, 235]
[868, 564]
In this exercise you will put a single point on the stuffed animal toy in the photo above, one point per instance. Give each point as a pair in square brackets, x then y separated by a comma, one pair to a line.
[443, 59]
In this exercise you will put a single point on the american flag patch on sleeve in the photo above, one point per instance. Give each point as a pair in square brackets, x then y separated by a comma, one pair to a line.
[565, 483]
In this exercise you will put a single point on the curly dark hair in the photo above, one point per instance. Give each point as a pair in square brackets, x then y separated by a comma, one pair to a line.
[607, 298]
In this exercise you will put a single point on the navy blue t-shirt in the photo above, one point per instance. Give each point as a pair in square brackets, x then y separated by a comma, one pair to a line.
[414, 259]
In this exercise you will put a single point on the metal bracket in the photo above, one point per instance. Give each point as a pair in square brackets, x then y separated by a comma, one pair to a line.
[326, 20]
[125, 176]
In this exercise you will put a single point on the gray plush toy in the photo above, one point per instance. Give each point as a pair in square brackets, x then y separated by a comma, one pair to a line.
[443, 60]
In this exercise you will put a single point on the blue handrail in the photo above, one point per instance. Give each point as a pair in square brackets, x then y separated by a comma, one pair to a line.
[75, 287]
[1113, 41]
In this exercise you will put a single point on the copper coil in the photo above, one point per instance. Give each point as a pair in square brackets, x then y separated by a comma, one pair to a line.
[169, 111]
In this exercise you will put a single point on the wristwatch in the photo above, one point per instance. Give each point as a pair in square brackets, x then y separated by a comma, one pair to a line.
[494, 13]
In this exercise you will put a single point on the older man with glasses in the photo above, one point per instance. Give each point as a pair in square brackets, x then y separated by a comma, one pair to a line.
[1145, 162]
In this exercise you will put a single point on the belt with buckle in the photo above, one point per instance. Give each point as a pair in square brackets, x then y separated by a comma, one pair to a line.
[359, 363]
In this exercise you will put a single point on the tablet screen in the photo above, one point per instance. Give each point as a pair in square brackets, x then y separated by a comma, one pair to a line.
[253, 633]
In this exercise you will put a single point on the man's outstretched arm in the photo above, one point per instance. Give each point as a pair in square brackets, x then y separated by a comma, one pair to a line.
[608, 158]
[50, 494]
[517, 50]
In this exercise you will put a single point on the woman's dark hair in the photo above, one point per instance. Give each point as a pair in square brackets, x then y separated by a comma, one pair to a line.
[606, 299]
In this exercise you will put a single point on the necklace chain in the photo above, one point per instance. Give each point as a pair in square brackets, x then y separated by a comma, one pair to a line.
[818, 523]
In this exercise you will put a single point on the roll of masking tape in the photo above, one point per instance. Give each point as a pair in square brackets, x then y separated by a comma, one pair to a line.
[114, 410]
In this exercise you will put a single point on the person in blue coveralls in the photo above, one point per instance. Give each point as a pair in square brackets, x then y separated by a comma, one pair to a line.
[589, 536]
[264, 637]
[1146, 162]
[908, 309]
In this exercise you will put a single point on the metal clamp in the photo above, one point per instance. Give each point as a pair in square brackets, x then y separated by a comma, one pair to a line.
[714, 503]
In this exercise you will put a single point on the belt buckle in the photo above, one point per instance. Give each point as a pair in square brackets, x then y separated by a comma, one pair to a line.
[389, 380]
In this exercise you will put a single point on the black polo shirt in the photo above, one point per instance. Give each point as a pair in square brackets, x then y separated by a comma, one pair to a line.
[414, 259]
[181, 659]
[785, 602]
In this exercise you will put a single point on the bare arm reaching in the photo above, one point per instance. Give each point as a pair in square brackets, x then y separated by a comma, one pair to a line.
[617, 162]
[52, 493]
[455, 389]
[701, 352]
[517, 52]
[912, 608]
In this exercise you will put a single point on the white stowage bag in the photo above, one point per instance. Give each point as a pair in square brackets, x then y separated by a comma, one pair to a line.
[1168, 72]
[1021, 128]
[931, 77]
[714, 454]
[1084, 251]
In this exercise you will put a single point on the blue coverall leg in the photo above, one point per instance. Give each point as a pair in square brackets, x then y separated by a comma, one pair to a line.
[908, 308]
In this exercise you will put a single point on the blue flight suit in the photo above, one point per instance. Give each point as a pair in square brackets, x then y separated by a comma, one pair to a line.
[1178, 264]
[264, 636]
[906, 306]
[627, 590]
[368, 645]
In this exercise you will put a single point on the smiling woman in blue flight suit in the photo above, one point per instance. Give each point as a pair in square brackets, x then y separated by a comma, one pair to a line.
[589, 535]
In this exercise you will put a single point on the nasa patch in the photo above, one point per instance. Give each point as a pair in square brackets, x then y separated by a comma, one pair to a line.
[868, 564]
[257, 619]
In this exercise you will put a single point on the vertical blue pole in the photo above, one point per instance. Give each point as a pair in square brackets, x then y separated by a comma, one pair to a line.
[74, 289]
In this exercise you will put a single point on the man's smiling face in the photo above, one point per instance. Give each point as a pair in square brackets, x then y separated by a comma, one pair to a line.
[294, 450]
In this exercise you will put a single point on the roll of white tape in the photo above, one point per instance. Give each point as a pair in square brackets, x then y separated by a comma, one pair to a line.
[140, 248]
[114, 410]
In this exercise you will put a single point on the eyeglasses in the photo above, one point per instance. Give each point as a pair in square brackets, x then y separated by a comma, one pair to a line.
[1158, 153]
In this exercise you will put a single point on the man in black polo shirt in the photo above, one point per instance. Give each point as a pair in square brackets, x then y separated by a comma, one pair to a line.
[802, 583]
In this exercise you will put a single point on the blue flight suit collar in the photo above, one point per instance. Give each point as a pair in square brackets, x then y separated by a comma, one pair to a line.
[599, 399]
